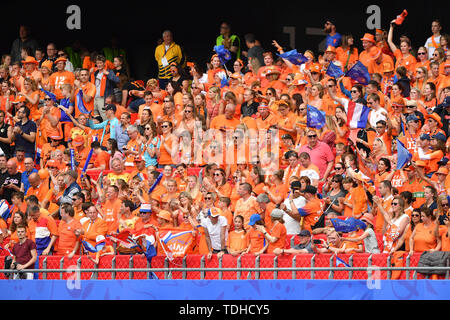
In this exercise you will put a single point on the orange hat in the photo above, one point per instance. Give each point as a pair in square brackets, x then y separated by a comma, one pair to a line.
[163, 214]
[316, 67]
[388, 67]
[52, 164]
[331, 49]
[30, 60]
[368, 37]
[442, 170]
[374, 53]
[19, 99]
[379, 31]
[214, 56]
[78, 141]
[272, 70]
[236, 76]
[399, 101]
[60, 59]
[368, 217]
[299, 80]
[435, 117]
[215, 212]
[47, 64]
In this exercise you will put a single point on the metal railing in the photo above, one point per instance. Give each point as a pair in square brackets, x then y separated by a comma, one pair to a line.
[253, 272]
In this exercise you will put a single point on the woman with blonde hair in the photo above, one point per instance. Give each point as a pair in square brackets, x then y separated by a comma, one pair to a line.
[314, 96]
[421, 78]
[213, 102]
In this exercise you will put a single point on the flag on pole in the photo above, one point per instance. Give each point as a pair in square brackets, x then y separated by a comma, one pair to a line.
[294, 57]
[403, 155]
[357, 115]
[359, 73]
[334, 71]
[223, 54]
[314, 117]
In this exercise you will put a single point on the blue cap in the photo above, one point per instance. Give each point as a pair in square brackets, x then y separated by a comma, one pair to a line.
[425, 136]
[440, 136]
[411, 117]
[446, 102]
[254, 218]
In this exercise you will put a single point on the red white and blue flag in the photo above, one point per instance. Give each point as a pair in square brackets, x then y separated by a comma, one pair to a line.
[357, 115]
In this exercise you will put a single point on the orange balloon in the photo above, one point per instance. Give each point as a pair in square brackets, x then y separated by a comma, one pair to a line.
[43, 174]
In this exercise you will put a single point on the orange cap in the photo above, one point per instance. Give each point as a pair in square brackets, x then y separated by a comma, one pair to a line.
[163, 214]
[316, 67]
[60, 59]
[374, 53]
[236, 76]
[272, 70]
[368, 37]
[331, 49]
[78, 141]
[435, 117]
[442, 170]
[47, 64]
[30, 60]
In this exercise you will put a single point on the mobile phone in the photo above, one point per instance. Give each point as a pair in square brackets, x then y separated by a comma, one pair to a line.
[317, 241]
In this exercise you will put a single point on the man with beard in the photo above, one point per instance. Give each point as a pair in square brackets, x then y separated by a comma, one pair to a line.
[333, 38]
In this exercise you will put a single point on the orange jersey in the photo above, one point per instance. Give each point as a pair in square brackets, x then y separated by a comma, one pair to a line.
[88, 89]
[246, 209]
[67, 238]
[94, 229]
[257, 241]
[424, 238]
[238, 241]
[57, 79]
[278, 231]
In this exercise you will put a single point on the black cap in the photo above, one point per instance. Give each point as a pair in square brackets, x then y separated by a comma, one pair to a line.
[111, 107]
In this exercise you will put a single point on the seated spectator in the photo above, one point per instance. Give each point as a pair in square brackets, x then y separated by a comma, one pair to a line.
[303, 247]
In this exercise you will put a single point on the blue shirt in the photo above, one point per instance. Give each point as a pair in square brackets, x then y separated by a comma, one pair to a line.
[112, 130]
[334, 41]
[26, 183]
[121, 137]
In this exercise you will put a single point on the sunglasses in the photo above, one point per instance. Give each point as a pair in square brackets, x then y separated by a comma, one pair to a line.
[313, 136]
[415, 215]
[338, 168]
[354, 91]
[187, 111]
[410, 107]
[421, 53]
[331, 86]
[235, 177]
[208, 198]
[148, 128]
[395, 203]
[217, 174]
[302, 109]
[165, 126]
[74, 199]
[445, 204]
[47, 99]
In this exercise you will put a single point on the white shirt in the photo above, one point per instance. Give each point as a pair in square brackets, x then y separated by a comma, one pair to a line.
[292, 225]
[430, 47]
[98, 83]
[377, 115]
[214, 231]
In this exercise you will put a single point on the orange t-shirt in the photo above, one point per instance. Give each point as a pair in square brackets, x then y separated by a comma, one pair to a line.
[409, 62]
[67, 238]
[40, 192]
[92, 230]
[278, 230]
[246, 209]
[165, 157]
[57, 79]
[424, 238]
[257, 241]
[111, 211]
[238, 240]
[90, 90]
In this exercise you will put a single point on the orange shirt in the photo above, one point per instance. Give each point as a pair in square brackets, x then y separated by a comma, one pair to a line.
[102, 159]
[165, 157]
[445, 240]
[238, 240]
[379, 219]
[221, 122]
[314, 208]
[343, 56]
[264, 124]
[278, 230]
[287, 122]
[67, 238]
[40, 191]
[88, 89]
[57, 79]
[408, 62]
[257, 241]
[374, 67]
[93, 229]
[246, 209]
[424, 238]
[111, 211]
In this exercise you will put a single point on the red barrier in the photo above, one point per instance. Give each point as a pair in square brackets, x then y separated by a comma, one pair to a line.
[360, 260]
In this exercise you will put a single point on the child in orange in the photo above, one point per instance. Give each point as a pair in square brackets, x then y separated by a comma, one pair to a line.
[257, 242]
[238, 240]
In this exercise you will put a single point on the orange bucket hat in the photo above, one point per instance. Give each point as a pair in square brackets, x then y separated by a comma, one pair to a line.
[368, 37]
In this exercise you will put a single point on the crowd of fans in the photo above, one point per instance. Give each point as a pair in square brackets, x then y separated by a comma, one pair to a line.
[225, 150]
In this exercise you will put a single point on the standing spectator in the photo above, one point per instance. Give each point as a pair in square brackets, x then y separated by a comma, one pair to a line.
[60, 77]
[24, 41]
[333, 38]
[51, 55]
[368, 42]
[88, 92]
[433, 42]
[11, 181]
[6, 134]
[166, 53]
[231, 42]
[258, 243]
[93, 226]
[215, 226]
[247, 204]
[320, 153]
[24, 254]
[255, 52]
[68, 228]
[71, 189]
[425, 236]
[122, 135]
[290, 207]
[238, 240]
[105, 81]
[276, 236]
[24, 132]
[43, 229]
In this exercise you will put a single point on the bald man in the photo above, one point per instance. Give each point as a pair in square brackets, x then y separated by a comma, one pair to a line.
[11, 181]
[38, 187]
[225, 121]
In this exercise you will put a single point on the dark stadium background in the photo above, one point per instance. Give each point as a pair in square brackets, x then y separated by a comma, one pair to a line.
[195, 24]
